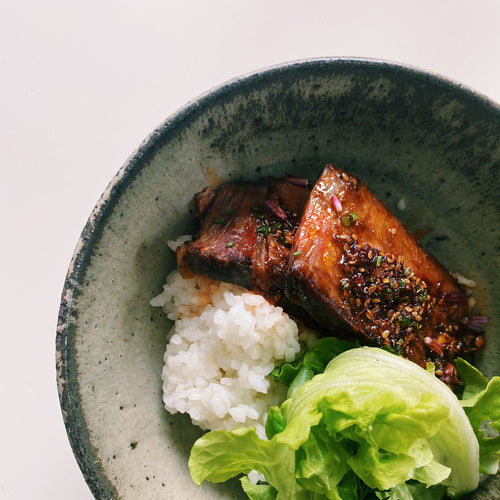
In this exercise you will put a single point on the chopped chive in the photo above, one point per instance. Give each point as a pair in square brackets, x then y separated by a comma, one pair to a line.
[407, 271]
[296, 254]
[379, 260]
[430, 367]
[422, 298]
[402, 284]
[230, 244]
[405, 321]
[265, 230]
[231, 212]
[346, 220]
[279, 225]
[345, 283]
[220, 221]
[398, 349]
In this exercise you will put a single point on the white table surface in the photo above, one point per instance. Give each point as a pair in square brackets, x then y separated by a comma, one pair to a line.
[82, 83]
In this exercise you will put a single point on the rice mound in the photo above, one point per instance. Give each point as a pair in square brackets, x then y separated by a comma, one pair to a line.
[224, 343]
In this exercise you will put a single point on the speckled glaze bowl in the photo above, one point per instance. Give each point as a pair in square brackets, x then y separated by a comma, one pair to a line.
[420, 142]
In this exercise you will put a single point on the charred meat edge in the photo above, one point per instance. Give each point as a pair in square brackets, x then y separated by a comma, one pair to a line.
[246, 234]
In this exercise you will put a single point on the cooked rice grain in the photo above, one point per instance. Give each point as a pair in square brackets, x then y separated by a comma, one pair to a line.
[223, 345]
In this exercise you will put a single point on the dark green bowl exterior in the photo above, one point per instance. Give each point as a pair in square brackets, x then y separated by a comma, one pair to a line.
[408, 134]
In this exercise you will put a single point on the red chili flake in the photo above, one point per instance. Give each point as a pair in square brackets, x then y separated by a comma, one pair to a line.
[434, 345]
[273, 207]
[454, 297]
[475, 323]
[450, 373]
[297, 181]
[336, 203]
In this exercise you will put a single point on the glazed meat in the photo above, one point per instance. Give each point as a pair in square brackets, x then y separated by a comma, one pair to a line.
[355, 268]
[246, 234]
[339, 254]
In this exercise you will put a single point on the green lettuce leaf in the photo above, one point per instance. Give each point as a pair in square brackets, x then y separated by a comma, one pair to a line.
[351, 487]
[304, 374]
[481, 402]
[220, 455]
[275, 422]
[386, 403]
[313, 361]
[321, 463]
[372, 419]
[412, 491]
[258, 491]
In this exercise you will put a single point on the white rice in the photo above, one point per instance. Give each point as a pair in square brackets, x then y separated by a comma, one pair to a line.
[224, 344]
[462, 280]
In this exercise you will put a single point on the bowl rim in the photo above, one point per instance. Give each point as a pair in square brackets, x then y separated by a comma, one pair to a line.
[66, 369]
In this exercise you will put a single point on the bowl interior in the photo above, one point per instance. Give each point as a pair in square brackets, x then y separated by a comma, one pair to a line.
[417, 140]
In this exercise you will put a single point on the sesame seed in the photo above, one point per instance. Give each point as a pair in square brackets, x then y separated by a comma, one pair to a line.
[443, 338]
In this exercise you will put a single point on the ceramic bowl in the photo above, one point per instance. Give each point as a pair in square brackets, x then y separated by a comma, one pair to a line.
[420, 142]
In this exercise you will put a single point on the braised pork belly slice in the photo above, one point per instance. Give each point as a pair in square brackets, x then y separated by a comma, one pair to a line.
[246, 234]
[355, 268]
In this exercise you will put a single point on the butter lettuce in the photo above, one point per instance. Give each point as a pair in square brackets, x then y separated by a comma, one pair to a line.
[313, 362]
[373, 425]
[481, 402]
